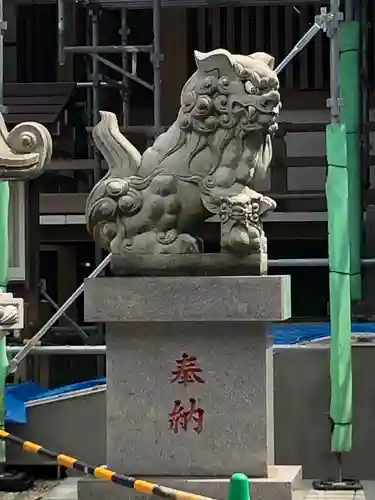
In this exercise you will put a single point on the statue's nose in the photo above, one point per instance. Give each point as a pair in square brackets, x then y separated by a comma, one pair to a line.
[270, 101]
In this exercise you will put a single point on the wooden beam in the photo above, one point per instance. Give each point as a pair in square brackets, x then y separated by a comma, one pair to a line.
[310, 99]
[175, 63]
[310, 161]
[65, 234]
[62, 203]
[296, 231]
[70, 164]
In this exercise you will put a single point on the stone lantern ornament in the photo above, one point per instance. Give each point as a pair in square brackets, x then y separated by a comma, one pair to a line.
[24, 152]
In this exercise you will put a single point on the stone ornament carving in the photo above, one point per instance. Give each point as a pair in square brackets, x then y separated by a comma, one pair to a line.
[11, 312]
[24, 151]
[205, 164]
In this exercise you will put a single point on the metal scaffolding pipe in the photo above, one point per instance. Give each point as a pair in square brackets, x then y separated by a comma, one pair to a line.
[298, 196]
[3, 27]
[76, 327]
[122, 71]
[297, 262]
[156, 56]
[101, 84]
[95, 111]
[301, 44]
[124, 61]
[348, 10]
[334, 101]
[108, 49]
[96, 80]
[61, 31]
[32, 343]
[61, 350]
[309, 262]
[13, 365]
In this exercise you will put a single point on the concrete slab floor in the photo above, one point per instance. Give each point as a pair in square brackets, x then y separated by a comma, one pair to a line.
[37, 492]
[64, 490]
[67, 490]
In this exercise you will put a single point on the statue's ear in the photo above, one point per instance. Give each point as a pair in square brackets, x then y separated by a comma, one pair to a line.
[219, 60]
[266, 58]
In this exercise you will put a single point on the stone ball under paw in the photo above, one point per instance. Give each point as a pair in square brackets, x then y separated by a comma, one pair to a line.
[242, 241]
[237, 241]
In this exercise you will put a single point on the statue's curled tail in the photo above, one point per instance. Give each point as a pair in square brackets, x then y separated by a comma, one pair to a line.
[123, 161]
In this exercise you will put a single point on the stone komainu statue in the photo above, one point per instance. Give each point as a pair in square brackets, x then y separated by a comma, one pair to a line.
[205, 164]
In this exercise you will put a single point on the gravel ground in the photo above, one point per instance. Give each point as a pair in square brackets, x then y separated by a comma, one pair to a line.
[39, 489]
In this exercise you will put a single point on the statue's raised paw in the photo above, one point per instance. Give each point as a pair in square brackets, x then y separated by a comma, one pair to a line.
[241, 240]
[266, 204]
[241, 223]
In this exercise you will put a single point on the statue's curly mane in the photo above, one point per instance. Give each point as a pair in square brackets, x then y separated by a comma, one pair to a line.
[215, 128]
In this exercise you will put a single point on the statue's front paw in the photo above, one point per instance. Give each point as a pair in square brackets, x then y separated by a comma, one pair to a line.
[241, 241]
[266, 204]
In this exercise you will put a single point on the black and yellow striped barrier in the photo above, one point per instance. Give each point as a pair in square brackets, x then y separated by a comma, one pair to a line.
[102, 472]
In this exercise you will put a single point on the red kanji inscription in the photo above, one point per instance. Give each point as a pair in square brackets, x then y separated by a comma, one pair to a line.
[187, 371]
[180, 418]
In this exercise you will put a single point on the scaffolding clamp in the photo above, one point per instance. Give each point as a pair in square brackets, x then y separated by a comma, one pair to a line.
[93, 8]
[329, 21]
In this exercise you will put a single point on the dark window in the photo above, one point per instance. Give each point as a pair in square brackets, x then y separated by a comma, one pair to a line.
[36, 43]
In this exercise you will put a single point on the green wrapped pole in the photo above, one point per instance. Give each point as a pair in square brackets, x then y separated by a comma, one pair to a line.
[4, 267]
[349, 38]
[239, 487]
[337, 192]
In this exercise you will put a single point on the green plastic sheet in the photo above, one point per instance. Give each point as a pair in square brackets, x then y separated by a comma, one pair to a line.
[337, 192]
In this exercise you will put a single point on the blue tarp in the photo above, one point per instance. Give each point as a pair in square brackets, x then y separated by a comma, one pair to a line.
[288, 333]
[17, 395]
[293, 333]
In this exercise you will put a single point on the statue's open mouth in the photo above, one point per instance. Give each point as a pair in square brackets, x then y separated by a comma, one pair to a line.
[256, 115]
[261, 119]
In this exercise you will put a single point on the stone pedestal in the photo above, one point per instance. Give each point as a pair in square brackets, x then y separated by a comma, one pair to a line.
[190, 380]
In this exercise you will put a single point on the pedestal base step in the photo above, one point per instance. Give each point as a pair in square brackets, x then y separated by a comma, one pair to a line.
[283, 483]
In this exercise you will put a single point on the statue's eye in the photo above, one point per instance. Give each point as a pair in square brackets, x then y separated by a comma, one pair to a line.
[251, 89]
